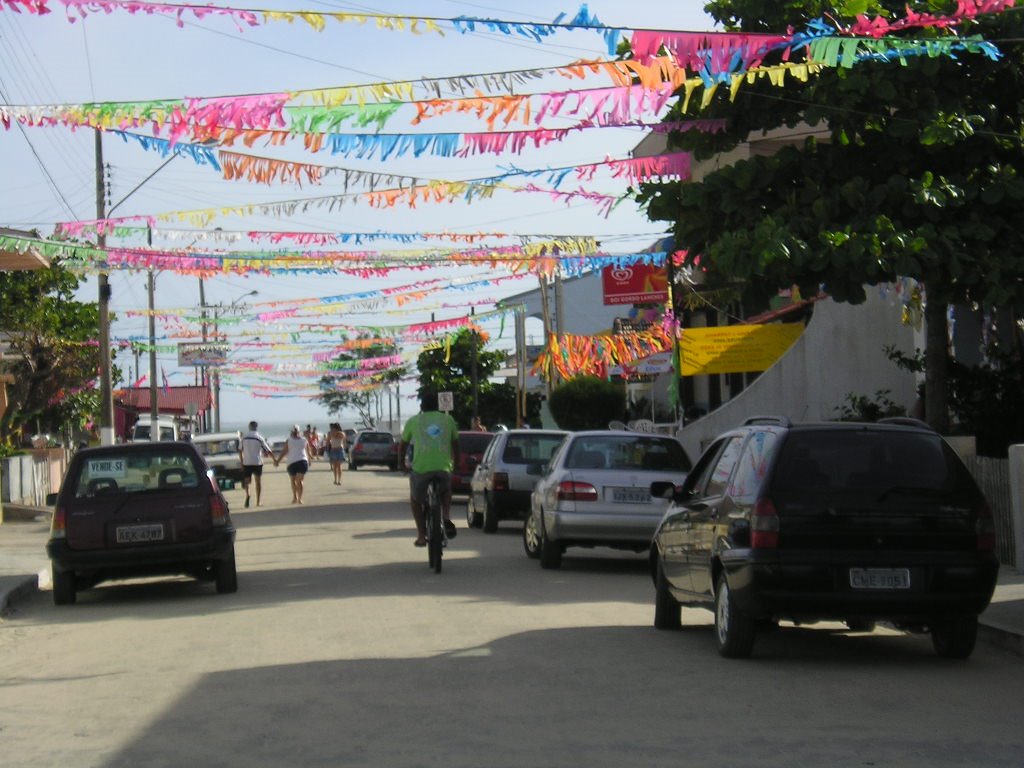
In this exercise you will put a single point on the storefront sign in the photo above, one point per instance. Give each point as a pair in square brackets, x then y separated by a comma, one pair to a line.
[636, 284]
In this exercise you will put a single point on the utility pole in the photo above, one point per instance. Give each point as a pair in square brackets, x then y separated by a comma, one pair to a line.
[203, 369]
[106, 389]
[153, 410]
[475, 339]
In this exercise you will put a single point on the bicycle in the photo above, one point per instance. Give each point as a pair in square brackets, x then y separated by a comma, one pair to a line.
[437, 539]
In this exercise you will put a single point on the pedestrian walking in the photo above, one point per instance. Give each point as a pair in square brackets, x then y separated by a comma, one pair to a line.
[251, 451]
[337, 444]
[296, 453]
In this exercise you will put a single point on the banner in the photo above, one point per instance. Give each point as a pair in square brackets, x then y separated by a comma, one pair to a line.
[635, 284]
[734, 348]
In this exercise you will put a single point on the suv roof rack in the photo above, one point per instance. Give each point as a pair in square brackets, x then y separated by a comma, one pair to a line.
[781, 421]
[905, 421]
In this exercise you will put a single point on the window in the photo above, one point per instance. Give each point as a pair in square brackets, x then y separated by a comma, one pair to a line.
[135, 472]
[753, 464]
[530, 449]
[721, 470]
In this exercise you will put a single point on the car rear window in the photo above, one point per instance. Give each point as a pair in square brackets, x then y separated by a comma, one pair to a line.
[134, 472]
[474, 442]
[528, 449]
[213, 447]
[376, 437]
[627, 452]
[874, 460]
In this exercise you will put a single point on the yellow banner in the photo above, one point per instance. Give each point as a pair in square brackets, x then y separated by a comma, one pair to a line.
[734, 348]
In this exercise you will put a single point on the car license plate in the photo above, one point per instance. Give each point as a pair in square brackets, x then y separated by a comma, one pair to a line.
[135, 534]
[880, 578]
[631, 495]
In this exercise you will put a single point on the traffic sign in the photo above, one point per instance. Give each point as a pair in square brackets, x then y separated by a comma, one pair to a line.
[445, 402]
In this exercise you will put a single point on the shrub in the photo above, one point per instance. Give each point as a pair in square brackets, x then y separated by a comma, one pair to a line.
[587, 402]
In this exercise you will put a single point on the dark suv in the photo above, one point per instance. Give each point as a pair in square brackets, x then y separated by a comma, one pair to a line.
[832, 521]
[139, 509]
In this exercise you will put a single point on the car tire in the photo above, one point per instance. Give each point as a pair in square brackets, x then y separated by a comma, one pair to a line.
[667, 611]
[353, 466]
[531, 537]
[393, 466]
[64, 592]
[490, 516]
[473, 518]
[225, 574]
[953, 637]
[550, 551]
[734, 632]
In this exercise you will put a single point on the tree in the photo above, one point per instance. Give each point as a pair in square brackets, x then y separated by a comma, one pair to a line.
[587, 402]
[364, 395]
[920, 175]
[449, 368]
[52, 355]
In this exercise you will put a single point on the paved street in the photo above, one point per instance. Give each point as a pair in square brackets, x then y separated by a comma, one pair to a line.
[342, 648]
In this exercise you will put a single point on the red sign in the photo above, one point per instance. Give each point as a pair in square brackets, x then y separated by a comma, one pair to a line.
[635, 284]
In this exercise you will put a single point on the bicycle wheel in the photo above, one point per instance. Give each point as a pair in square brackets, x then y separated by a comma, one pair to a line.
[435, 535]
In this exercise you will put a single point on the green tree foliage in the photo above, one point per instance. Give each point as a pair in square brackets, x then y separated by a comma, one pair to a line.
[450, 369]
[917, 173]
[54, 366]
[587, 402]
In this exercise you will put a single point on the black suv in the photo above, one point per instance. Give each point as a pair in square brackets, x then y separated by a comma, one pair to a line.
[831, 521]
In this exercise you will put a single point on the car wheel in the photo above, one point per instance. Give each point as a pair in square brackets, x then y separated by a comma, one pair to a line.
[490, 516]
[353, 466]
[953, 637]
[550, 551]
[472, 516]
[64, 592]
[531, 537]
[393, 466]
[667, 612]
[734, 632]
[225, 574]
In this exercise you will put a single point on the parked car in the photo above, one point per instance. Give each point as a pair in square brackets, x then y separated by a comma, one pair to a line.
[596, 492]
[472, 446]
[139, 509]
[372, 447]
[500, 487]
[834, 521]
[220, 451]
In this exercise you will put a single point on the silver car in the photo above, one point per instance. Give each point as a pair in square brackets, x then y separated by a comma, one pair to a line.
[502, 482]
[597, 493]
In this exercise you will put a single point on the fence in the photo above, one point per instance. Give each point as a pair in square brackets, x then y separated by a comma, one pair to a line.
[28, 478]
[993, 475]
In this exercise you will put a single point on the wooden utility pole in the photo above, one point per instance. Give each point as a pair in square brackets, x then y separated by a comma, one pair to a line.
[106, 389]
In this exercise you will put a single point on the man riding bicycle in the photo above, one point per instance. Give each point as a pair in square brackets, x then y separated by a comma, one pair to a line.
[435, 440]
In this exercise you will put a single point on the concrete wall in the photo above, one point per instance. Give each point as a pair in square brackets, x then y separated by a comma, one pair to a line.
[841, 352]
[28, 478]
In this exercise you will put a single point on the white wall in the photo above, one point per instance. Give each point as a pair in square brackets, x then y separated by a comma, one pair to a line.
[841, 352]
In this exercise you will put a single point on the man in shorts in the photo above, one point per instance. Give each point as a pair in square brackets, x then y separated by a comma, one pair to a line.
[435, 440]
[253, 448]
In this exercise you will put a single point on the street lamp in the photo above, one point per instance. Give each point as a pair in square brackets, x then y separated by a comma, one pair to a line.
[216, 371]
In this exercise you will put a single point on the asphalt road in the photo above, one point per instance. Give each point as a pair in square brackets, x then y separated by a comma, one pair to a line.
[342, 648]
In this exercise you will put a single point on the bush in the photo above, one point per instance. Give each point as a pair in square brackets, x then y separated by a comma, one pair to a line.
[587, 402]
[860, 408]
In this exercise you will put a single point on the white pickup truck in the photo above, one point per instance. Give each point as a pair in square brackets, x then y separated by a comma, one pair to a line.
[220, 450]
[167, 429]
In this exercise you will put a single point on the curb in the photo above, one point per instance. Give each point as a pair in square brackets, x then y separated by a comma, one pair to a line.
[1001, 637]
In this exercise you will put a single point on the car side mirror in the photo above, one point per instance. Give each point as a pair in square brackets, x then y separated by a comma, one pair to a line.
[661, 489]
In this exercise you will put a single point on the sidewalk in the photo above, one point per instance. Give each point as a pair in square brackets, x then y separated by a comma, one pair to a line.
[25, 568]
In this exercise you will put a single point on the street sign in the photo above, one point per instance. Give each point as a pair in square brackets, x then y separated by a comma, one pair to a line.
[445, 402]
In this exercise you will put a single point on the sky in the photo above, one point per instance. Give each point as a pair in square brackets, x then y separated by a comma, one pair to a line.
[50, 172]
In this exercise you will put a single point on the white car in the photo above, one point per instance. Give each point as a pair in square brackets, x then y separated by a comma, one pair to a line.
[596, 492]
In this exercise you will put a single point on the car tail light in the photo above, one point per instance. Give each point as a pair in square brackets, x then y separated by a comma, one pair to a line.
[764, 525]
[985, 528]
[218, 508]
[499, 481]
[58, 524]
[570, 490]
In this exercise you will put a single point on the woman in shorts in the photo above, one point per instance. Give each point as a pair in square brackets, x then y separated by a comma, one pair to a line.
[336, 450]
[296, 453]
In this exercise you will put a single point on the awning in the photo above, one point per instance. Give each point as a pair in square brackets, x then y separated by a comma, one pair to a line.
[15, 261]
